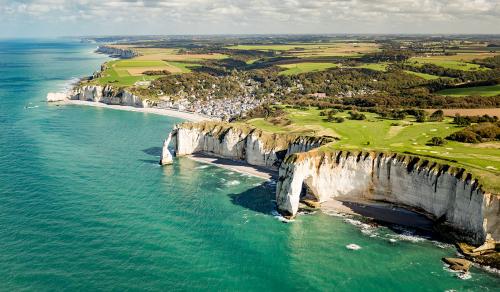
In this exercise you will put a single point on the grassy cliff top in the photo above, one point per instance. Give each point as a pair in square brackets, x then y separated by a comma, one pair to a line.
[406, 137]
[270, 140]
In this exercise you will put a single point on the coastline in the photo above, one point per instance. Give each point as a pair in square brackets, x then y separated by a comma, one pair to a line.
[157, 111]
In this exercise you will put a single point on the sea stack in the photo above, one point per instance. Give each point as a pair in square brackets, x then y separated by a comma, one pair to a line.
[166, 156]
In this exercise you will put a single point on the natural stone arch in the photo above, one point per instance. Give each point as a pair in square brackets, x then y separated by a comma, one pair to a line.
[309, 191]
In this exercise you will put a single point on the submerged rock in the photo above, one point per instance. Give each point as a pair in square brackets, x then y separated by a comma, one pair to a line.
[458, 264]
[311, 204]
[485, 255]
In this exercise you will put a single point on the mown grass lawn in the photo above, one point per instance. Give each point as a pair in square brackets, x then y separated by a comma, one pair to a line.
[293, 69]
[491, 90]
[406, 137]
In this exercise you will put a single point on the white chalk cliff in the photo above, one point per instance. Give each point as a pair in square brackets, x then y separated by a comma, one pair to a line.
[104, 94]
[447, 195]
[117, 52]
[240, 142]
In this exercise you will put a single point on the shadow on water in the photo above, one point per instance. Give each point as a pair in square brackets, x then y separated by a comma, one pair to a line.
[399, 220]
[259, 199]
[150, 161]
[153, 151]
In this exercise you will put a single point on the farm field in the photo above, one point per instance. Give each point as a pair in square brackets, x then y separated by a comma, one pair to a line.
[374, 66]
[425, 76]
[305, 50]
[465, 55]
[166, 54]
[446, 62]
[406, 136]
[127, 72]
[293, 69]
[491, 90]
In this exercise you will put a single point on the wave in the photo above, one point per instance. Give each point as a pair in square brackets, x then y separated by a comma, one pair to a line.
[366, 229]
[202, 167]
[459, 274]
[353, 246]
[278, 216]
[68, 85]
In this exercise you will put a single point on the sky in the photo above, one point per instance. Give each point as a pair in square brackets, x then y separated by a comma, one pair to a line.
[49, 18]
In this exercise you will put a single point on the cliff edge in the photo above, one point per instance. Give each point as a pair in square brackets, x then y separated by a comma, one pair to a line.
[449, 196]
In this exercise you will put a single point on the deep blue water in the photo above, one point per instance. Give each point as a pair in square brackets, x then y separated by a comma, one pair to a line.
[85, 206]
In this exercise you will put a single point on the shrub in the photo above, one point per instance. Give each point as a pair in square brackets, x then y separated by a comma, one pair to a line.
[437, 116]
[436, 141]
[461, 121]
[467, 120]
[399, 115]
[486, 131]
[331, 114]
[421, 116]
[354, 115]
[339, 120]
[481, 132]
[465, 136]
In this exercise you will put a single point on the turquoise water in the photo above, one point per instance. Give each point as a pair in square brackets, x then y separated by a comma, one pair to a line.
[85, 206]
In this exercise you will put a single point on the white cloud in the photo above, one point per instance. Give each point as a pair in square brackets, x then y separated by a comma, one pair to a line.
[272, 16]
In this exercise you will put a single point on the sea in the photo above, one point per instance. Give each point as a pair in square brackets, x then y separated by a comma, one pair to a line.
[84, 206]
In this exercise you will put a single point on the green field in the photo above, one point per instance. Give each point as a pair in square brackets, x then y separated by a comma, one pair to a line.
[405, 136]
[425, 76]
[118, 75]
[374, 66]
[314, 50]
[128, 72]
[451, 64]
[134, 63]
[492, 90]
[293, 69]
[280, 47]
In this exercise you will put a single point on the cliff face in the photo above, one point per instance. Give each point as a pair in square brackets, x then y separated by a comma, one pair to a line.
[447, 195]
[240, 142]
[108, 95]
[117, 52]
